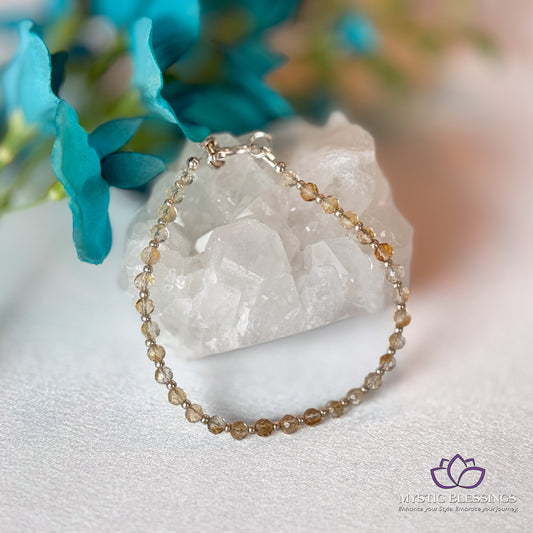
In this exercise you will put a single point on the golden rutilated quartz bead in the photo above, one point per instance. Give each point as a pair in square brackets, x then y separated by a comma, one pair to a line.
[159, 232]
[144, 306]
[150, 329]
[365, 235]
[355, 396]
[163, 375]
[348, 219]
[239, 430]
[400, 294]
[373, 381]
[289, 178]
[176, 396]
[168, 212]
[216, 424]
[402, 318]
[150, 255]
[175, 193]
[264, 427]
[387, 362]
[383, 252]
[156, 353]
[335, 408]
[194, 413]
[329, 204]
[309, 192]
[312, 417]
[288, 424]
[144, 280]
[397, 341]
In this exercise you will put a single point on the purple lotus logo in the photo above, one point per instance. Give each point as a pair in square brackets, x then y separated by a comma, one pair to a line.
[457, 473]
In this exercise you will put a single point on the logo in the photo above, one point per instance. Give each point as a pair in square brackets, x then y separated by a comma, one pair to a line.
[457, 473]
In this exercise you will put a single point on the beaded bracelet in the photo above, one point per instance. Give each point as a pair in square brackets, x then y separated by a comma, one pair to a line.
[259, 146]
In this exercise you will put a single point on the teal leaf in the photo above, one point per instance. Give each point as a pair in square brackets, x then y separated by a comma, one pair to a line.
[128, 170]
[113, 135]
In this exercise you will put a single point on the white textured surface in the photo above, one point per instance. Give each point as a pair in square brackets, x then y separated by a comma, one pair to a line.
[270, 264]
[89, 443]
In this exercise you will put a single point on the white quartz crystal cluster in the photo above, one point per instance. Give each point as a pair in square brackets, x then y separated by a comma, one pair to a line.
[248, 260]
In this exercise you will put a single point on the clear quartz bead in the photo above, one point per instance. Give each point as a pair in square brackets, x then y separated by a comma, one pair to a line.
[397, 341]
[402, 318]
[289, 178]
[150, 329]
[156, 353]
[194, 413]
[144, 280]
[216, 424]
[150, 255]
[400, 294]
[144, 306]
[395, 273]
[159, 232]
[176, 396]
[355, 396]
[373, 381]
[163, 375]
[168, 212]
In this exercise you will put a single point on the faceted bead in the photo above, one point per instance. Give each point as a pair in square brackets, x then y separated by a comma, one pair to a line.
[309, 192]
[168, 212]
[194, 413]
[163, 375]
[402, 318]
[150, 255]
[335, 408]
[329, 204]
[288, 424]
[383, 252]
[289, 178]
[216, 424]
[395, 273]
[397, 341]
[365, 235]
[144, 280]
[373, 381]
[176, 396]
[264, 427]
[348, 219]
[144, 306]
[159, 232]
[175, 194]
[312, 417]
[239, 430]
[355, 396]
[400, 294]
[150, 329]
[387, 362]
[186, 178]
[156, 353]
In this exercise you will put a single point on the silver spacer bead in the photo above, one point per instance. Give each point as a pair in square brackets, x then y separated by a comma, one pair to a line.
[145, 318]
[154, 244]
[144, 294]
[227, 429]
[363, 389]
[148, 268]
[300, 420]
[398, 330]
[185, 404]
[339, 212]
[345, 402]
[149, 342]
[400, 307]
[205, 419]
[280, 167]
[193, 163]
[171, 385]
[391, 351]
[319, 198]
[161, 222]
[379, 371]
[275, 425]
[359, 226]
[374, 244]
[300, 184]
[397, 284]
[324, 412]
[251, 429]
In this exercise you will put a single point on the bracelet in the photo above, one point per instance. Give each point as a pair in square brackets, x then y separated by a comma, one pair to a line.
[259, 146]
